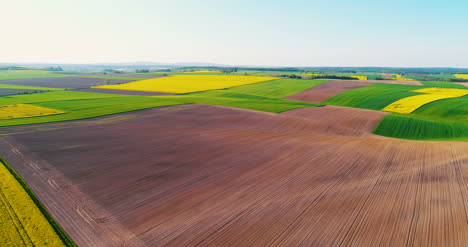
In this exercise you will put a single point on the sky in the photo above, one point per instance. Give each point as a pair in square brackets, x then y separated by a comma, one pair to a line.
[398, 33]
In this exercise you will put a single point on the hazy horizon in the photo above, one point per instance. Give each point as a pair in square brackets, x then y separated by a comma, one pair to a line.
[265, 33]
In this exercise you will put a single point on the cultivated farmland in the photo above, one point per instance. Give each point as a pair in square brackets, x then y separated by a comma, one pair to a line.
[184, 172]
[25, 110]
[188, 83]
[21, 221]
[410, 104]
[63, 82]
[234, 160]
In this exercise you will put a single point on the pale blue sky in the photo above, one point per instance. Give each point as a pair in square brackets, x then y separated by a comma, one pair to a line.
[413, 33]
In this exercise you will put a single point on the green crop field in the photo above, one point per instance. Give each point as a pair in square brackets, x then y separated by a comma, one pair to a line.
[30, 87]
[263, 96]
[373, 97]
[276, 89]
[419, 128]
[19, 74]
[448, 116]
[440, 120]
[442, 84]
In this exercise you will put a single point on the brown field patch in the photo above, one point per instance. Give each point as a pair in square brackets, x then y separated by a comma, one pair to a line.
[12, 91]
[327, 90]
[61, 82]
[218, 176]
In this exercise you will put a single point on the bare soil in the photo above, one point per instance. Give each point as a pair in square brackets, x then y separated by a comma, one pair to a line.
[11, 91]
[326, 90]
[218, 176]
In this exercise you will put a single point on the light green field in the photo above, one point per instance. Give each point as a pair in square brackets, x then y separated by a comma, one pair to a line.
[264, 96]
[440, 120]
[30, 87]
[20, 74]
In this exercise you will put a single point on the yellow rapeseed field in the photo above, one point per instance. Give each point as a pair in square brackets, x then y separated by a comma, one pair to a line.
[24, 110]
[188, 83]
[360, 77]
[401, 78]
[204, 71]
[410, 104]
[461, 76]
[21, 221]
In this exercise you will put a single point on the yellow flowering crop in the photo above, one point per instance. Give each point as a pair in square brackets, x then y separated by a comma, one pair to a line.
[24, 110]
[410, 104]
[461, 76]
[401, 78]
[21, 221]
[188, 83]
[360, 77]
[204, 71]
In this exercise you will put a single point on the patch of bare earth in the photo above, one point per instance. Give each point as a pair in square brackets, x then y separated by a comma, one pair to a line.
[326, 90]
[11, 91]
[218, 176]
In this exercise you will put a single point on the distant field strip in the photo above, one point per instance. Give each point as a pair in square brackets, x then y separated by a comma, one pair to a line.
[401, 78]
[20, 74]
[116, 77]
[410, 104]
[29, 87]
[360, 77]
[461, 76]
[204, 71]
[21, 221]
[188, 83]
[25, 110]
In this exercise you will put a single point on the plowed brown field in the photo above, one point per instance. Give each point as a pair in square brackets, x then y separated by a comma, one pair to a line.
[11, 91]
[218, 176]
[326, 90]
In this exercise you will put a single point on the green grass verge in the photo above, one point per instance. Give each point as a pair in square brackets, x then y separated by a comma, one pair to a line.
[30, 87]
[60, 232]
[28, 74]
